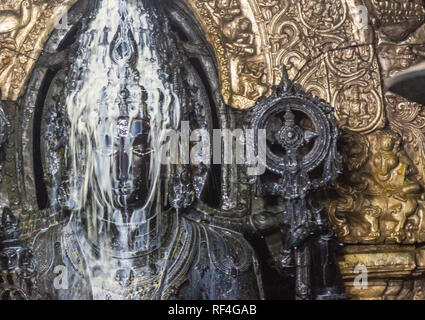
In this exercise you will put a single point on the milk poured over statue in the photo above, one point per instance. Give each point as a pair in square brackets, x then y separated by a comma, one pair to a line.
[125, 91]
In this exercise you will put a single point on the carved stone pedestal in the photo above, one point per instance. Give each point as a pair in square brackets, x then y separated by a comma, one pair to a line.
[386, 272]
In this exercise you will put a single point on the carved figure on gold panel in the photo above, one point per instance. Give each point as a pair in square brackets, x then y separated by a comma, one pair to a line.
[322, 15]
[12, 21]
[349, 200]
[232, 28]
[315, 11]
[227, 9]
[250, 80]
[356, 101]
[382, 195]
[380, 199]
[396, 194]
[239, 37]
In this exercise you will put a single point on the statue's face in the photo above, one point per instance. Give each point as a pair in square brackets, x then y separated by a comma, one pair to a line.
[245, 25]
[229, 9]
[397, 19]
[387, 143]
[127, 156]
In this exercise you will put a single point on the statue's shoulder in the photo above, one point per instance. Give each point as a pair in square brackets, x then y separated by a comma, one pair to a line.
[226, 258]
[56, 252]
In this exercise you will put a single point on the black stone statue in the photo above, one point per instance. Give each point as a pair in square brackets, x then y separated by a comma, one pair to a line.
[127, 236]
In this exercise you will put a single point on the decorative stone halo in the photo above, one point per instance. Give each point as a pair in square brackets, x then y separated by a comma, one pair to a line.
[288, 100]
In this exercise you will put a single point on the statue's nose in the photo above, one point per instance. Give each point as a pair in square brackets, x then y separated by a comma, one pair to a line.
[123, 162]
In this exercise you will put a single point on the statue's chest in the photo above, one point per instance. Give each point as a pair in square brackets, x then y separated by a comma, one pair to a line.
[124, 284]
[121, 279]
[157, 275]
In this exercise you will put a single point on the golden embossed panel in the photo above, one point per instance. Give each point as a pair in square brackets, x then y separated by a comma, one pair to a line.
[25, 25]
[380, 198]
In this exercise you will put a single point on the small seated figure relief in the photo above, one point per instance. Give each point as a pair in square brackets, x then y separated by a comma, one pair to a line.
[383, 198]
[250, 80]
[239, 37]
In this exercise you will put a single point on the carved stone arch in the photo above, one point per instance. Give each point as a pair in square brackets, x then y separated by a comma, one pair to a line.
[47, 79]
[204, 60]
[31, 187]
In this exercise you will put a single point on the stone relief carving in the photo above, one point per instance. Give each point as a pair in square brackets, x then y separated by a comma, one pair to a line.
[380, 202]
[385, 187]
[24, 27]
[233, 29]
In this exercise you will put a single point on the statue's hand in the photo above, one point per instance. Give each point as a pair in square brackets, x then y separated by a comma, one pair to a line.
[266, 222]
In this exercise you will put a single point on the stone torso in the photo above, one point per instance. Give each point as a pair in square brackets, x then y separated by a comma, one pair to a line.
[199, 262]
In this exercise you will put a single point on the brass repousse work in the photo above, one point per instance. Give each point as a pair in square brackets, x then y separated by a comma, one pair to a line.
[24, 28]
